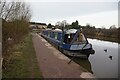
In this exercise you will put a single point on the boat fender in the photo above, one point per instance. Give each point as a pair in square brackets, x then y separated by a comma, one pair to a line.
[92, 51]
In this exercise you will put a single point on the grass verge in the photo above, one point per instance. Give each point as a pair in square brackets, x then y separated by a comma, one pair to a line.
[23, 62]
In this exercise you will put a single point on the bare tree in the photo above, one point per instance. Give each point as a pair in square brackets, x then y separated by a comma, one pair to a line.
[2, 6]
[14, 10]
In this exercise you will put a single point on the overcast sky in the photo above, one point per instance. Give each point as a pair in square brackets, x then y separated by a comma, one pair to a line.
[97, 13]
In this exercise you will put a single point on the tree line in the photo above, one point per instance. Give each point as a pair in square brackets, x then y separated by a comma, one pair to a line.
[92, 32]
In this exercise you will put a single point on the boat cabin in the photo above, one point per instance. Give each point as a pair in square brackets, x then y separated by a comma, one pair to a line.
[72, 36]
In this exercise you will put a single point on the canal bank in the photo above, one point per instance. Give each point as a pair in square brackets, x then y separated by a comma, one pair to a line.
[54, 64]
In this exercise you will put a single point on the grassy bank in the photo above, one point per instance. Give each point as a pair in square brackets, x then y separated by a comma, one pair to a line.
[23, 61]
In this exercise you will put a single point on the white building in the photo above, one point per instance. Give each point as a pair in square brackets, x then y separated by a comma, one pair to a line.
[36, 25]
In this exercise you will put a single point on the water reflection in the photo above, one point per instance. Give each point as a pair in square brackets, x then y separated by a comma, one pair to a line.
[84, 63]
[110, 39]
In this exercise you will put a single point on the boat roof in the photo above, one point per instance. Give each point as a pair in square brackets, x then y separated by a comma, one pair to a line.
[69, 31]
[57, 30]
[48, 29]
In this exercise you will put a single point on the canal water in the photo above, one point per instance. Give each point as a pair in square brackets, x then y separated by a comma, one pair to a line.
[104, 63]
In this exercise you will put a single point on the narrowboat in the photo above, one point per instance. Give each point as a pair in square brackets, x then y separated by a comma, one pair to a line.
[71, 42]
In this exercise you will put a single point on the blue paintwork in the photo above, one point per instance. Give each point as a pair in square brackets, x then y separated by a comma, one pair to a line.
[57, 41]
[66, 46]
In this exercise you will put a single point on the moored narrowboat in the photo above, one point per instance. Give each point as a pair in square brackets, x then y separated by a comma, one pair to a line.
[71, 42]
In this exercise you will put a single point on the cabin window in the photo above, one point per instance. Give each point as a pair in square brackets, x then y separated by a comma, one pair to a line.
[80, 39]
[55, 35]
[48, 34]
[68, 38]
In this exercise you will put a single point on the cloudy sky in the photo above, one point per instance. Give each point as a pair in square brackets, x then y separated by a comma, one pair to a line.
[96, 12]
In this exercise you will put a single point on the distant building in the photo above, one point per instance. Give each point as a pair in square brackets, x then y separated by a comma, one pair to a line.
[36, 25]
